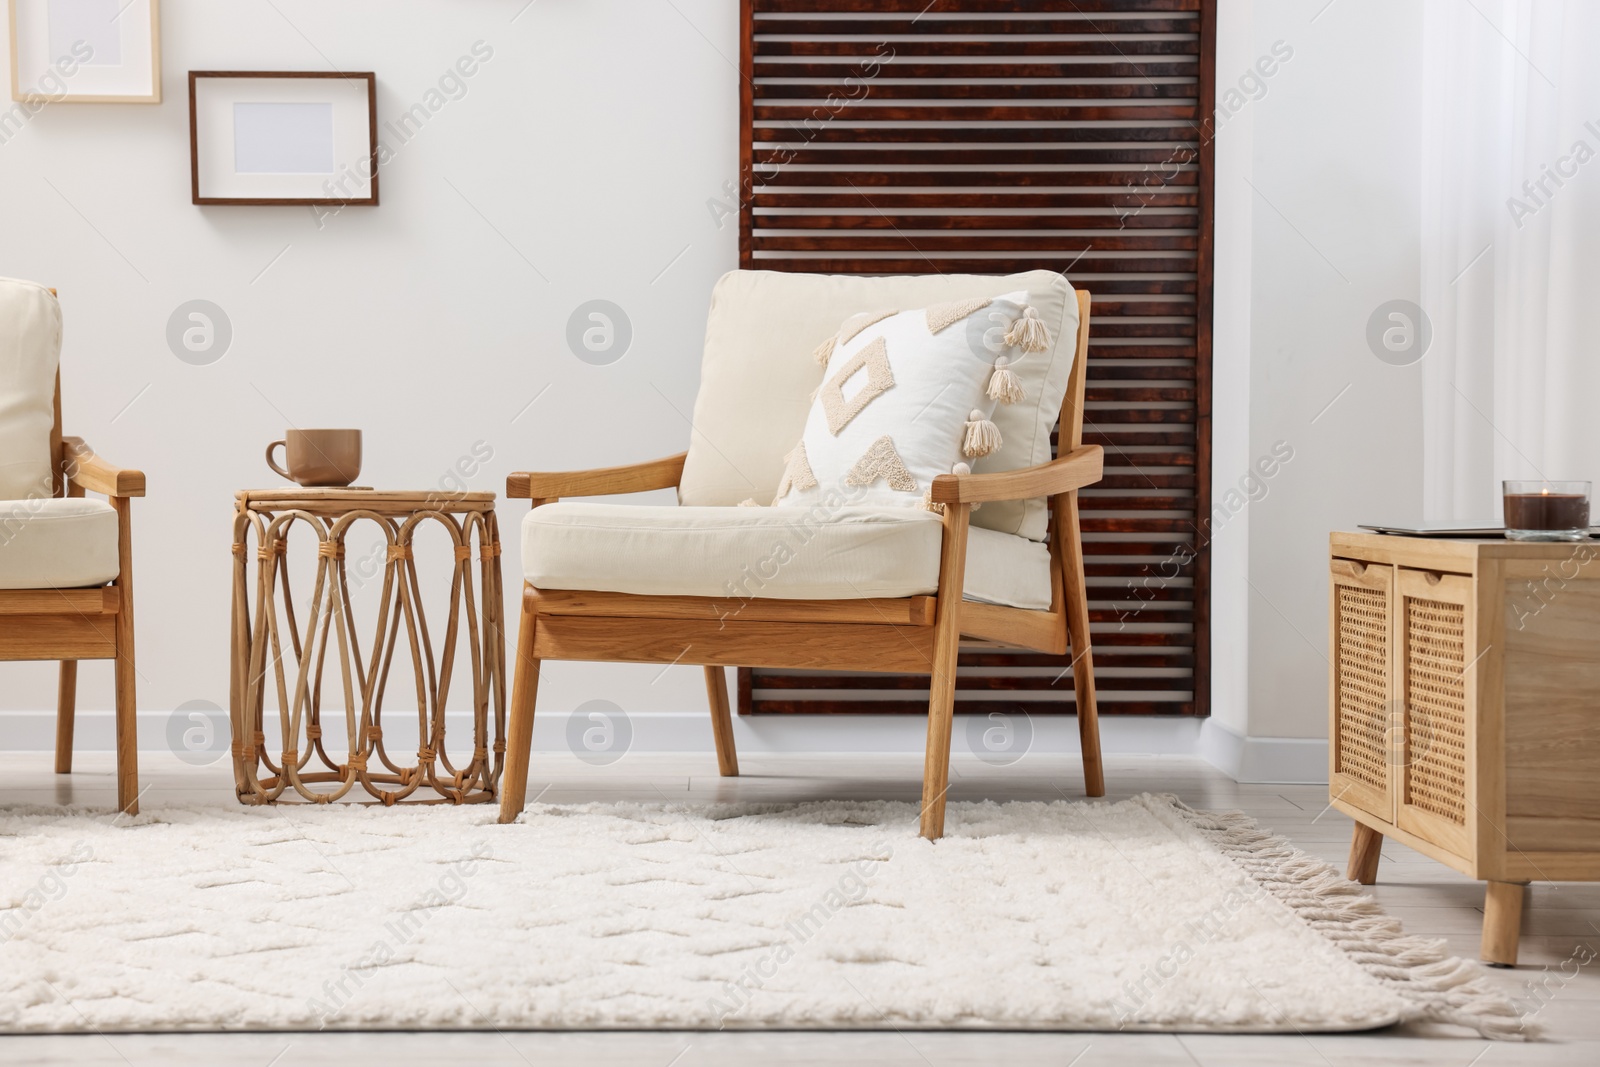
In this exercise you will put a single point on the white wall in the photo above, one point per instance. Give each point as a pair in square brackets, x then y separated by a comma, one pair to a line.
[578, 165]
[1233, 149]
[1323, 173]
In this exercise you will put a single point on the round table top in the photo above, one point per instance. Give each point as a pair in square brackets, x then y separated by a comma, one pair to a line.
[361, 498]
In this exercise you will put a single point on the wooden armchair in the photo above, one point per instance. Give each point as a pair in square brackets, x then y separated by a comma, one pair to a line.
[916, 634]
[66, 562]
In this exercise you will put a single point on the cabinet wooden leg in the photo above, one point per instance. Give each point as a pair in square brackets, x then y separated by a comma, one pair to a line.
[1366, 847]
[1502, 922]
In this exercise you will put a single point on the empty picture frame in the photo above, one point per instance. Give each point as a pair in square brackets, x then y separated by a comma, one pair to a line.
[86, 51]
[283, 137]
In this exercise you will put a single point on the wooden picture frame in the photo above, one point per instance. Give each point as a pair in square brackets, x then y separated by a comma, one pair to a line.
[358, 162]
[68, 70]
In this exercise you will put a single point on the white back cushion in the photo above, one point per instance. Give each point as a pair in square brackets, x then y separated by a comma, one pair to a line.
[30, 350]
[758, 373]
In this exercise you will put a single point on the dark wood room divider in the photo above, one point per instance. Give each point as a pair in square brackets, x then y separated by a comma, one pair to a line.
[992, 136]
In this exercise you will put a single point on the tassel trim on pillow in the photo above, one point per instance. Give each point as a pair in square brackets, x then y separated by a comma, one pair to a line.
[749, 502]
[981, 437]
[962, 468]
[1003, 383]
[1029, 332]
[938, 509]
[823, 352]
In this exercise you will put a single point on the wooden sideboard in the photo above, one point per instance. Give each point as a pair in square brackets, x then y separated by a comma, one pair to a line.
[1464, 707]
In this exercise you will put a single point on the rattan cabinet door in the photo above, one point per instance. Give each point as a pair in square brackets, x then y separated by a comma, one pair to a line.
[1437, 651]
[1362, 695]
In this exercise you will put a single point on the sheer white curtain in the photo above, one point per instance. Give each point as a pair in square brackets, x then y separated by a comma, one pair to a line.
[1511, 248]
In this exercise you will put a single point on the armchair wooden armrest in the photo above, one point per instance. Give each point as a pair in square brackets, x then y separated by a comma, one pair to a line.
[87, 470]
[1078, 468]
[603, 481]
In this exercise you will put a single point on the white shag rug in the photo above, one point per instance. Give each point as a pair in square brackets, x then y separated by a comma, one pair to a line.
[1138, 915]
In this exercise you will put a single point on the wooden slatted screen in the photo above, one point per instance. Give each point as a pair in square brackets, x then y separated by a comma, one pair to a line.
[992, 136]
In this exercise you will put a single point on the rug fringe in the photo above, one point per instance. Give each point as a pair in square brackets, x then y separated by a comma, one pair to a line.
[1437, 986]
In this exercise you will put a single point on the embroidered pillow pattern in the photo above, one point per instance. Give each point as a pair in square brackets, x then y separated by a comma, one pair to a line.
[907, 396]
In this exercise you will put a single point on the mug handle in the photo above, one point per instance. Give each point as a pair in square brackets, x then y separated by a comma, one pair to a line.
[281, 472]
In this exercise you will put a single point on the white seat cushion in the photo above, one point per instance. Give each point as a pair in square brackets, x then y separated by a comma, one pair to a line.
[57, 544]
[820, 553]
[30, 348]
[758, 372]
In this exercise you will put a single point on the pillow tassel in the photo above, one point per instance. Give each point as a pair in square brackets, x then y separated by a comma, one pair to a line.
[982, 436]
[1029, 332]
[823, 352]
[749, 502]
[1003, 383]
[938, 509]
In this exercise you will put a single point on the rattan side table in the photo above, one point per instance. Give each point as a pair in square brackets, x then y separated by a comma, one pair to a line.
[260, 659]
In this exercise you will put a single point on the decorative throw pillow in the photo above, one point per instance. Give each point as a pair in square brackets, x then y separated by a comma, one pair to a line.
[907, 396]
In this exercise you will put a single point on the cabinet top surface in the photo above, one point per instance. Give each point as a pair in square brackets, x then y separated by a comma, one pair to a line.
[1385, 548]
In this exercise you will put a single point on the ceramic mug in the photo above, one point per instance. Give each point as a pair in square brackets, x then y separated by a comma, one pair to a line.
[319, 457]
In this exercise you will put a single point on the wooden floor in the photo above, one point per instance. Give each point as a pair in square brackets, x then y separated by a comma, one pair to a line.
[1562, 920]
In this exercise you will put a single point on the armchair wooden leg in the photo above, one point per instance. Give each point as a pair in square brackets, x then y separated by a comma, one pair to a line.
[125, 673]
[1366, 849]
[519, 745]
[942, 684]
[66, 711]
[1076, 593]
[127, 734]
[722, 722]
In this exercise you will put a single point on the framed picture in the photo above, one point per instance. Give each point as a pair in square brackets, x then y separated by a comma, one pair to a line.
[86, 51]
[283, 137]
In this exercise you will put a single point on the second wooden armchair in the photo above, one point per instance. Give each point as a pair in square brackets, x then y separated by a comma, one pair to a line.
[66, 563]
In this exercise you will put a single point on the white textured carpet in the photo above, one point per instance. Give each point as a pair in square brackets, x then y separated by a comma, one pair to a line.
[1134, 915]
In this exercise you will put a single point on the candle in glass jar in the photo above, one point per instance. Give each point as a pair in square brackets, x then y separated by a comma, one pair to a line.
[1546, 511]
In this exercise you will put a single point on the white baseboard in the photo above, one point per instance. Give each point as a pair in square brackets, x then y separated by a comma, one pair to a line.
[1264, 760]
[679, 731]
[1245, 759]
